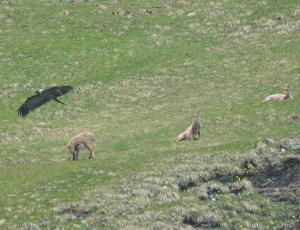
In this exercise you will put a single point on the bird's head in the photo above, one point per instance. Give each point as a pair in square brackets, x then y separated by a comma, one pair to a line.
[38, 92]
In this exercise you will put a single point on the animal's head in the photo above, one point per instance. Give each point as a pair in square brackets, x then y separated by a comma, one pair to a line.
[71, 148]
[196, 116]
[287, 90]
[286, 86]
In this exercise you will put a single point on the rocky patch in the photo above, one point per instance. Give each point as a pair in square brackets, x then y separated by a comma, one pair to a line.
[290, 144]
[281, 182]
[192, 196]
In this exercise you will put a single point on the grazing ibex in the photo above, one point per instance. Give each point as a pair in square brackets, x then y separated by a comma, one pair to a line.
[192, 131]
[82, 140]
[287, 94]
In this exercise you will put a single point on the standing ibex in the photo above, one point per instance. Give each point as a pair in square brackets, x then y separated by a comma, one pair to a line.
[82, 140]
[192, 131]
[287, 94]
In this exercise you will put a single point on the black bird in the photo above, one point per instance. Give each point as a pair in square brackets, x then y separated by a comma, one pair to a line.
[41, 97]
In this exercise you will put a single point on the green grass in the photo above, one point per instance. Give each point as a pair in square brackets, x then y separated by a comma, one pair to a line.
[137, 83]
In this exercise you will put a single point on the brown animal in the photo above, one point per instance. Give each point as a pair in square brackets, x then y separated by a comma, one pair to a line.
[192, 131]
[287, 94]
[82, 140]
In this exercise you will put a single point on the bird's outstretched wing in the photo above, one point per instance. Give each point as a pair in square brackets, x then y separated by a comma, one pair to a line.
[43, 97]
[57, 91]
[32, 103]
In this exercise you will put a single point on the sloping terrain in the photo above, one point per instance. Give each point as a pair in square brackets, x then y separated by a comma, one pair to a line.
[140, 69]
[282, 180]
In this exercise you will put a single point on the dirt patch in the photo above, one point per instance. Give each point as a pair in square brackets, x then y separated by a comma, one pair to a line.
[281, 182]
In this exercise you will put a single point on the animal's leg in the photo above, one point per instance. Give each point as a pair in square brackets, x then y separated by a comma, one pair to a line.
[178, 139]
[90, 148]
[77, 154]
[74, 156]
[199, 133]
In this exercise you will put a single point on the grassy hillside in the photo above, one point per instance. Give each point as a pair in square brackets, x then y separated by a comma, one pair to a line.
[139, 70]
